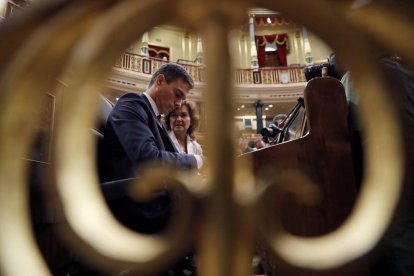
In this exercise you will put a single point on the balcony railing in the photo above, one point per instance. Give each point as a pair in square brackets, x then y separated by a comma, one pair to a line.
[276, 75]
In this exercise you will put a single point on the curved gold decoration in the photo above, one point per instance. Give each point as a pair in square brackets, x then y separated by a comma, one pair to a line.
[80, 45]
[392, 27]
[24, 79]
[381, 188]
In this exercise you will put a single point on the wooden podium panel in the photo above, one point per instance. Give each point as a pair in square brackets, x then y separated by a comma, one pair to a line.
[324, 155]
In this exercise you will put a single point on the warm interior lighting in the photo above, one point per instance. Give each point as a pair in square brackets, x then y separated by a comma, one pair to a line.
[2, 4]
[270, 47]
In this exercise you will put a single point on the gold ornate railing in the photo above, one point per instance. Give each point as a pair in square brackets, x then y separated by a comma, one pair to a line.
[277, 75]
[74, 41]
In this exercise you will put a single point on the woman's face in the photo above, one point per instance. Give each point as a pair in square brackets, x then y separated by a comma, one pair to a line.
[180, 120]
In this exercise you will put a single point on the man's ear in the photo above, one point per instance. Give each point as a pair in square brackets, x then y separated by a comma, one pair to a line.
[160, 79]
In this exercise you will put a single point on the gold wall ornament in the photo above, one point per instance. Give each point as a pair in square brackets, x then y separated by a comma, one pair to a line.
[381, 188]
[81, 42]
[390, 25]
[24, 78]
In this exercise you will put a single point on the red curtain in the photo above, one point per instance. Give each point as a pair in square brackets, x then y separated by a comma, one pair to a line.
[281, 41]
[159, 52]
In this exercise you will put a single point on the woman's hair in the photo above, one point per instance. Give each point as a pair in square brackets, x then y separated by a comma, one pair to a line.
[194, 117]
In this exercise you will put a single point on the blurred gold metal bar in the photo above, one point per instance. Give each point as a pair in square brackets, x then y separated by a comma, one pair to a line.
[381, 188]
[82, 40]
[222, 225]
[23, 82]
[390, 24]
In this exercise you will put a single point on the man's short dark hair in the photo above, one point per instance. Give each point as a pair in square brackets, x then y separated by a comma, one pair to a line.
[172, 72]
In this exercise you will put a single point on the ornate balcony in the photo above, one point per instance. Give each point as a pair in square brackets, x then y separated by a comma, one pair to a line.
[132, 72]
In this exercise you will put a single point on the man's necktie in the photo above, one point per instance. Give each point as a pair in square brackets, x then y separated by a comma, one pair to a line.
[159, 119]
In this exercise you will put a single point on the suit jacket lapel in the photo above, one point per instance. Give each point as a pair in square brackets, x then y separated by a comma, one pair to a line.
[168, 143]
[155, 119]
[167, 140]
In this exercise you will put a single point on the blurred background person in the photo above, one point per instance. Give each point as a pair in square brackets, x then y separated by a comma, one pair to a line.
[243, 147]
[279, 119]
[260, 144]
[251, 145]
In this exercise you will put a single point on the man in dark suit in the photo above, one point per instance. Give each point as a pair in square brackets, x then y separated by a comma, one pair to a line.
[135, 136]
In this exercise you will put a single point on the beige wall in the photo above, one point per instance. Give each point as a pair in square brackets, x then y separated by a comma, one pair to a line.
[183, 45]
[320, 50]
[180, 46]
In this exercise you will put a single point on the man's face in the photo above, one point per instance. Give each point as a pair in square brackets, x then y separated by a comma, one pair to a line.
[170, 95]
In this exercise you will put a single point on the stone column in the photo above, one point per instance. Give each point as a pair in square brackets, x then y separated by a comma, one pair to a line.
[186, 46]
[254, 64]
[307, 48]
[259, 114]
[199, 59]
[144, 45]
